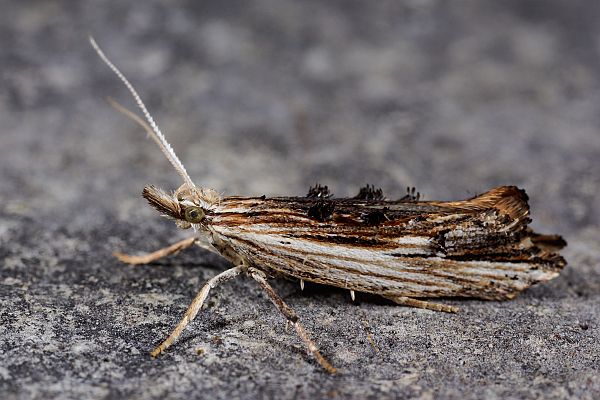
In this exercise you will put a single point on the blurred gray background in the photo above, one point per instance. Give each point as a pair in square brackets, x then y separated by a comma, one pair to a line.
[269, 97]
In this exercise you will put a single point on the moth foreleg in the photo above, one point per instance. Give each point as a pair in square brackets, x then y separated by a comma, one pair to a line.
[155, 255]
[292, 317]
[195, 306]
[409, 301]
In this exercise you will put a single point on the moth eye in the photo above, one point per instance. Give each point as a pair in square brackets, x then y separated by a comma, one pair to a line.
[194, 215]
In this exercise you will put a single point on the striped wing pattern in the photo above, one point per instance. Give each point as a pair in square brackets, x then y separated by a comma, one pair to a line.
[479, 247]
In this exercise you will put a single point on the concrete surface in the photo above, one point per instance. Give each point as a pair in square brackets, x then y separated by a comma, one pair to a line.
[269, 97]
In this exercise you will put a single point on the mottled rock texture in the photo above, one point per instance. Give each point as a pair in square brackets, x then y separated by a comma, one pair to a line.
[269, 97]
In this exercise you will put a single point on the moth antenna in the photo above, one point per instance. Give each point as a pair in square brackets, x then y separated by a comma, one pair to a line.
[152, 128]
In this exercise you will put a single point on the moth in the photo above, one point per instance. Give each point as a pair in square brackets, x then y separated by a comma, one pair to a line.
[408, 251]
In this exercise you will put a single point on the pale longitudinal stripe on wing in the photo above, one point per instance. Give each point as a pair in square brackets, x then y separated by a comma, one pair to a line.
[366, 269]
[471, 248]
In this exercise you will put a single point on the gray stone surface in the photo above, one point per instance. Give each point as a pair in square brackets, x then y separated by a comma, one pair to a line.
[268, 97]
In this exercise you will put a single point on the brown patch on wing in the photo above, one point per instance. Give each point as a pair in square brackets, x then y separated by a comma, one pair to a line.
[319, 192]
[509, 200]
[321, 211]
[548, 242]
[491, 227]
[369, 193]
[420, 276]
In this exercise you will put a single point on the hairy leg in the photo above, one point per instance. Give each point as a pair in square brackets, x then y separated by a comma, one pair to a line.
[409, 301]
[195, 306]
[155, 255]
[292, 317]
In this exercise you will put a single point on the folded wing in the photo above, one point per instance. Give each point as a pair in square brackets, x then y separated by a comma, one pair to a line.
[480, 247]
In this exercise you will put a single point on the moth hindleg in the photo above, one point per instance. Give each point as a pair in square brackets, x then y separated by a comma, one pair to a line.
[195, 306]
[155, 255]
[292, 317]
[428, 305]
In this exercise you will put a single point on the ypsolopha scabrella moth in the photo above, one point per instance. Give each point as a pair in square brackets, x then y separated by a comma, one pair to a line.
[405, 250]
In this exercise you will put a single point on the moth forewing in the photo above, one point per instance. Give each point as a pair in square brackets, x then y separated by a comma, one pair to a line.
[402, 250]
[474, 248]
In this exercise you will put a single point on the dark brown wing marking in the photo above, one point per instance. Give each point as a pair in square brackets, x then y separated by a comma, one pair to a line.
[369, 193]
[319, 192]
[486, 234]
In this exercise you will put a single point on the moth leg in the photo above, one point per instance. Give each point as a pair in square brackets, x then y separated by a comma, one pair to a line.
[292, 317]
[155, 255]
[195, 306]
[409, 301]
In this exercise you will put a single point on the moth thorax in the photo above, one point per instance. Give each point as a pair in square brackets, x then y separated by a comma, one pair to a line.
[203, 197]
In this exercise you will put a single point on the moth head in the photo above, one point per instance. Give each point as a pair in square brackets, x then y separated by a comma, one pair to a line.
[188, 206]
